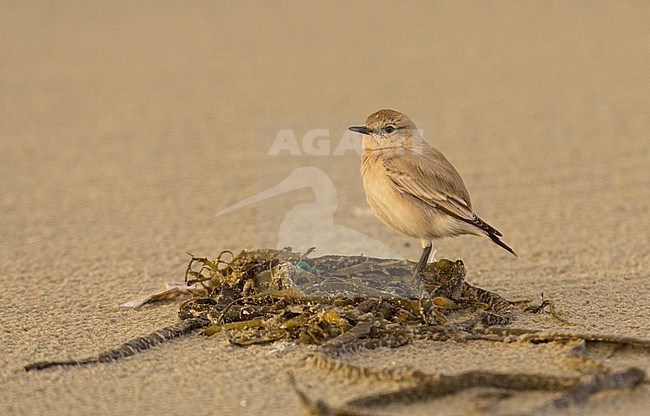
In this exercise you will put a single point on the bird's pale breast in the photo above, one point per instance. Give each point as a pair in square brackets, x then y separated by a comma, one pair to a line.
[403, 212]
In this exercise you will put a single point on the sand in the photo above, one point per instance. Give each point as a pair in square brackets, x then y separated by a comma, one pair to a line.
[125, 128]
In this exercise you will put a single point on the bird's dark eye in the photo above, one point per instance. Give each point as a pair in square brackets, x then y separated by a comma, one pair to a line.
[389, 129]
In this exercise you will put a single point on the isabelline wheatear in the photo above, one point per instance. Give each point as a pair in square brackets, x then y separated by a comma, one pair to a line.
[412, 187]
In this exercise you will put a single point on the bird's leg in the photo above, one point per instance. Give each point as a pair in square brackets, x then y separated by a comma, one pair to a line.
[424, 258]
[425, 304]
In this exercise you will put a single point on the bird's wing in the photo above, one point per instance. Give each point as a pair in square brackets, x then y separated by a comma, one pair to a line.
[427, 175]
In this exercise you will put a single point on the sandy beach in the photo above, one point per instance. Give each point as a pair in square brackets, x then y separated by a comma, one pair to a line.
[126, 128]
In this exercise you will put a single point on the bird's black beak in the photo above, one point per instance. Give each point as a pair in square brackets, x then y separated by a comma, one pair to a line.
[360, 129]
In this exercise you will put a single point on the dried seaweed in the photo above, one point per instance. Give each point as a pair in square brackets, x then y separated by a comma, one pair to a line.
[423, 387]
[129, 348]
[344, 304]
[551, 308]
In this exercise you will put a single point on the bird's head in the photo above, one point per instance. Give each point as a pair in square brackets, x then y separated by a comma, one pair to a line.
[388, 129]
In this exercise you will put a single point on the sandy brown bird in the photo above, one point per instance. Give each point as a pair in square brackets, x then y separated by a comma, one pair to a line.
[413, 188]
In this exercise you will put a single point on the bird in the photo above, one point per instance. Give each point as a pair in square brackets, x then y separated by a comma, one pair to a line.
[413, 188]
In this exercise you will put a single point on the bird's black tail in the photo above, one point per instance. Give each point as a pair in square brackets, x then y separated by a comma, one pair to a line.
[498, 241]
[494, 235]
[489, 230]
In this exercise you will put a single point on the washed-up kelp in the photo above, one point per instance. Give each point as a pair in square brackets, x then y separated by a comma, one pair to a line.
[339, 302]
[347, 303]
[269, 295]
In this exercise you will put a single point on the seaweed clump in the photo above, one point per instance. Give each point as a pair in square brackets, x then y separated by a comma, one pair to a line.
[268, 295]
[338, 302]
[346, 303]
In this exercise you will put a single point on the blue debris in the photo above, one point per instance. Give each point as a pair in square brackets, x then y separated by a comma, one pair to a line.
[305, 266]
